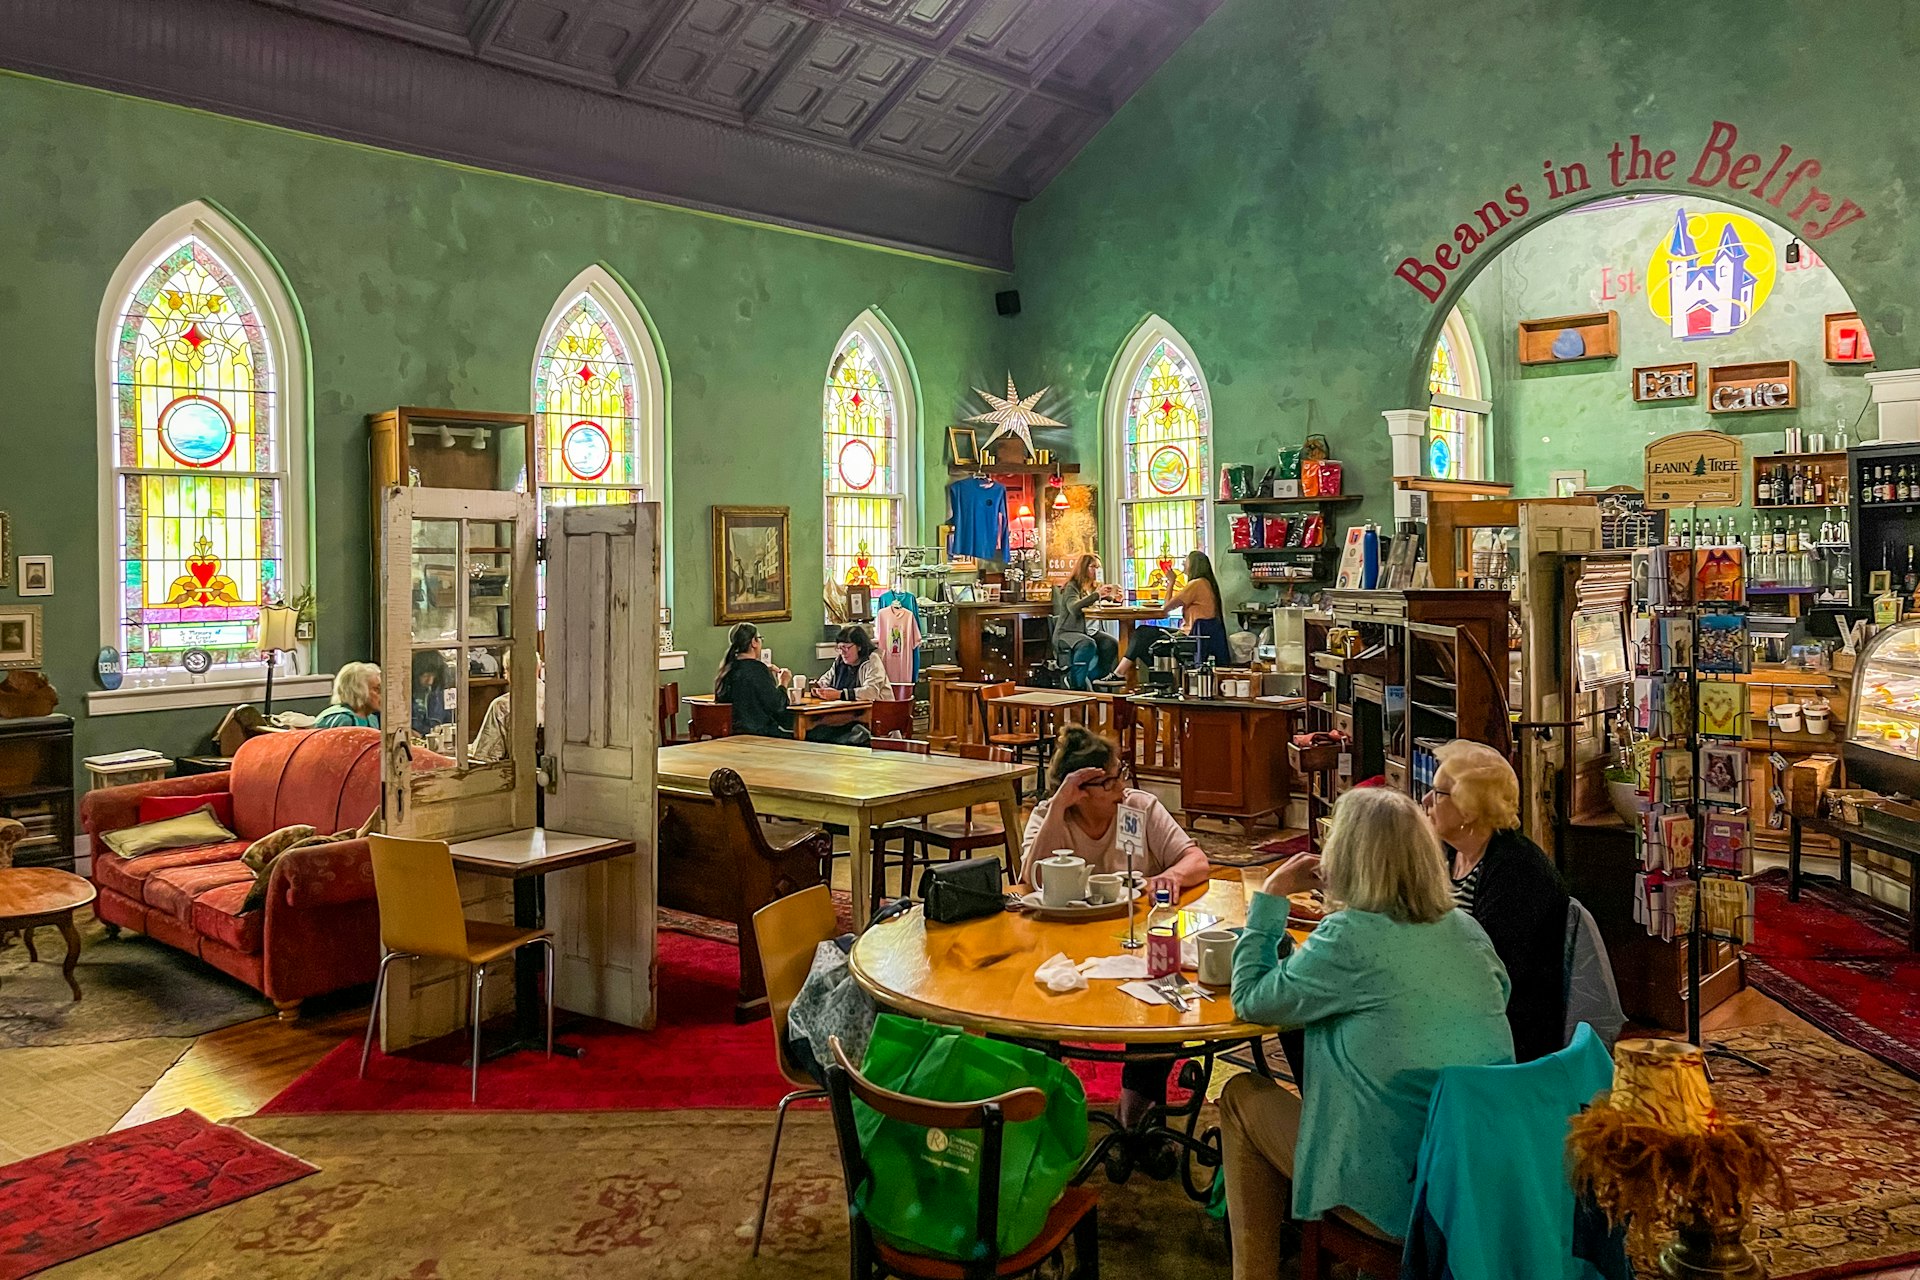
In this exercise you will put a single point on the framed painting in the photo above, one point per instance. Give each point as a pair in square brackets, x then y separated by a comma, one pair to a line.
[19, 635]
[752, 565]
[964, 446]
[6, 550]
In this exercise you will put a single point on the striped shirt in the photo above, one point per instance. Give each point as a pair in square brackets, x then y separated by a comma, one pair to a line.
[1466, 888]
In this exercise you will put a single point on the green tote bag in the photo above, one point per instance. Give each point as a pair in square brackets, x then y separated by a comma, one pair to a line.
[924, 1192]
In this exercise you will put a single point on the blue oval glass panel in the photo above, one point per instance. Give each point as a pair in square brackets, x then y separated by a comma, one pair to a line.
[1440, 458]
[196, 431]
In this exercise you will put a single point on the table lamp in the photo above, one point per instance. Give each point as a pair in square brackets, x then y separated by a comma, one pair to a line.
[1657, 1155]
[279, 624]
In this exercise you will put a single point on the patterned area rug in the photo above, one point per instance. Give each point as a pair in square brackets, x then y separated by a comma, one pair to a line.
[1847, 1129]
[132, 988]
[65, 1093]
[72, 1202]
[1840, 963]
[665, 1195]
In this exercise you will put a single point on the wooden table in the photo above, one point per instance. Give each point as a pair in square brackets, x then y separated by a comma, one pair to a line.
[1127, 616]
[855, 787]
[1049, 703]
[1848, 837]
[34, 896]
[811, 711]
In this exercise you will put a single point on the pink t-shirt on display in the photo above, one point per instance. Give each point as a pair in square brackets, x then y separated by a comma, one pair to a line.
[1167, 840]
[898, 635]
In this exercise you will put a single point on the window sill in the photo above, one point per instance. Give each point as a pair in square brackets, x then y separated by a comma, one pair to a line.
[220, 693]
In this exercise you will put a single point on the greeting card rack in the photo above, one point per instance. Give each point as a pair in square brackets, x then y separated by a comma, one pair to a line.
[1691, 645]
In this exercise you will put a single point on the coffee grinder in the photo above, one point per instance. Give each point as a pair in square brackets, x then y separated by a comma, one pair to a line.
[1167, 660]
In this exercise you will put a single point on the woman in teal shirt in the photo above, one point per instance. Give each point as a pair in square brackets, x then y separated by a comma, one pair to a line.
[356, 698]
[1390, 989]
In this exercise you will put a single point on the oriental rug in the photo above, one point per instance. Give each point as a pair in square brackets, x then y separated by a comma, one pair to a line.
[63, 1093]
[1841, 963]
[64, 1204]
[582, 1196]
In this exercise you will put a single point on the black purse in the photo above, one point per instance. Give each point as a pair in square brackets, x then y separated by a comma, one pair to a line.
[965, 890]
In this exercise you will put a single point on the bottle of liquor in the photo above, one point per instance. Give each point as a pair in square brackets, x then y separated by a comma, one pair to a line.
[1163, 936]
[1793, 539]
[1912, 579]
[1819, 486]
[1793, 487]
[1905, 485]
[1762, 486]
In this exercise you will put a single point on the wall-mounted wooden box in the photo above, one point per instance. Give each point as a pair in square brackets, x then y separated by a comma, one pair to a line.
[1761, 387]
[1657, 382]
[1599, 334]
[1846, 339]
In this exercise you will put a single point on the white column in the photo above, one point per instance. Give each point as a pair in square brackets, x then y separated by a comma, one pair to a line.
[1406, 430]
[1896, 394]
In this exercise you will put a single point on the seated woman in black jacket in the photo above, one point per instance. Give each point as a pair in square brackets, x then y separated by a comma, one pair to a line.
[1508, 886]
[759, 703]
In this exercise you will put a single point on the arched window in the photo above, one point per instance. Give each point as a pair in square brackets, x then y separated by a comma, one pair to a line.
[869, 425]
[1159, 421]
[1457, 444]
[204, 426]
[599, 399]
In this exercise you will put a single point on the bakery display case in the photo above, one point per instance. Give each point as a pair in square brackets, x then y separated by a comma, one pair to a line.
[1882, 748]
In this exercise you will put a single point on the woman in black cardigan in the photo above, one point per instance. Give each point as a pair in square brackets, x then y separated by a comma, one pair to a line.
[1508, 886]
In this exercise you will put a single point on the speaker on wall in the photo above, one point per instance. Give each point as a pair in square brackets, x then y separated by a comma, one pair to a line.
[1007, 302]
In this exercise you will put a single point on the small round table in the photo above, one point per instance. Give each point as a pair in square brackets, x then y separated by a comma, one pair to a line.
[34, 896]
[979, 975]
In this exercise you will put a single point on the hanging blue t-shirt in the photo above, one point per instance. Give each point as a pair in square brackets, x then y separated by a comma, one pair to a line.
[978, 512]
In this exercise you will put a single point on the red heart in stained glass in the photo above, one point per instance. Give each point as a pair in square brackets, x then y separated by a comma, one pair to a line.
[205, 598]
[1166, 406]
[586, 373]
[202, 571]
[194, 337]
[856, 399]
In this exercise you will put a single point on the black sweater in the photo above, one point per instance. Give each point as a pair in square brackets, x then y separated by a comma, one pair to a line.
[1522, 905]
[759, 704]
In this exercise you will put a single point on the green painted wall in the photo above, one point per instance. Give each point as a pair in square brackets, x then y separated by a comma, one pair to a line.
[1261, 190]
[1583, 416]
[425, 283]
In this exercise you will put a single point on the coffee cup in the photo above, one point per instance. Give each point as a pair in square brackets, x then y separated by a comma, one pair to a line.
[1105, 888]
[1063, 878]
[1787, 716]
[1214, 948]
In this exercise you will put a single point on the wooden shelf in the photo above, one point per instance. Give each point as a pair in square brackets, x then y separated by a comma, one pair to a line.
[1600, 330]
[1288, 502]
[1738, 388]
[1450, 490]
[1837, 323]
[1283, 551]
[1017, 469]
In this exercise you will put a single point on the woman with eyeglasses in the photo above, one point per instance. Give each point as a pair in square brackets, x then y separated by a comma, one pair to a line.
[857, 673]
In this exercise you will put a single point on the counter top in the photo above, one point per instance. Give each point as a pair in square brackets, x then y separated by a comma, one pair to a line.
[1274, 703]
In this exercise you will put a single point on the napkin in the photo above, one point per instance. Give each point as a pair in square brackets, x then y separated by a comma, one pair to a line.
[1059, 975]
[1133, 966]
[1142, 992]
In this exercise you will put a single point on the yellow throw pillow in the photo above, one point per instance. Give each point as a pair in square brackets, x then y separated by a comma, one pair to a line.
[186, 831]
[262, 852]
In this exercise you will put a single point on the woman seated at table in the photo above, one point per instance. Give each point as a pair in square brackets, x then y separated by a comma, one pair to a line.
[356, 698]
[1391, 988]
[1202, 616]
[1088, 791]
[857, 673]
[430, 681]
[759, 700]
[1508, 885]
[1071, 600]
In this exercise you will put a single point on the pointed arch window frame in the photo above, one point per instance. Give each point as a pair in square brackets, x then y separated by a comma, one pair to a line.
[1126, 369]
[1476, 428]
[897, 368]
[284, 330]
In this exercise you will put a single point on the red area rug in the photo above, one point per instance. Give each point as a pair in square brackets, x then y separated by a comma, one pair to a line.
[1841, 964]
[696, 1056]
[66, 1203]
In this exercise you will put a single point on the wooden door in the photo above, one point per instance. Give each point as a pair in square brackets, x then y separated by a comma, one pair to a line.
[1212, 764]
[603, 603]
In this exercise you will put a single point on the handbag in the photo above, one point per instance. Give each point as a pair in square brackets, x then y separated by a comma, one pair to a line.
[964, 890]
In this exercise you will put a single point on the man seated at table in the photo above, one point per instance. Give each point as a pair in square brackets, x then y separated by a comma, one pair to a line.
[1081, 815]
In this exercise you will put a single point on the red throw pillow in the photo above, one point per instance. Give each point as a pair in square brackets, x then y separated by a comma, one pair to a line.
[154, 808]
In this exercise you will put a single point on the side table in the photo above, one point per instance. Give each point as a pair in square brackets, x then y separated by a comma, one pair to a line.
[34, 896]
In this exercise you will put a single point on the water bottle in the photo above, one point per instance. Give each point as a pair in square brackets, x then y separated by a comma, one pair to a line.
[1163, 936]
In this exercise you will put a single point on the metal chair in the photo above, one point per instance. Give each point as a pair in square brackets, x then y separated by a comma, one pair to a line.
[709, 720]
[421, 918]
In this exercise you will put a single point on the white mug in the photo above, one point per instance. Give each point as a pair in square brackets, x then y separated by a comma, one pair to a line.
[1215, 957]
[1063, 878]
[1106, 887]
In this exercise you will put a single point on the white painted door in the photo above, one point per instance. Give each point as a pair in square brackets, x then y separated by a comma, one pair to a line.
[603, 603]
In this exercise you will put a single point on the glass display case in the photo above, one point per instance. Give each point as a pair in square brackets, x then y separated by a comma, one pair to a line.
[1882, 749]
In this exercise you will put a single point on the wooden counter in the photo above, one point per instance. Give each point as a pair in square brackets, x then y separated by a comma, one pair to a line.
[1008, 639]
[1233, 755]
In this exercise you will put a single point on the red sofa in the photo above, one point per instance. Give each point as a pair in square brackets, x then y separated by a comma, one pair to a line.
[320, 928]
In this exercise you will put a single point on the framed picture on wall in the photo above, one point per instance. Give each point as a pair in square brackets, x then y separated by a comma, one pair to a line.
[1567, 483]
[964, 446]
[36, 575]
[19, 635]
[752, 565]
[6, 550]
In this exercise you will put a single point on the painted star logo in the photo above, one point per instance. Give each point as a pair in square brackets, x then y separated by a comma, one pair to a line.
[1013, 416]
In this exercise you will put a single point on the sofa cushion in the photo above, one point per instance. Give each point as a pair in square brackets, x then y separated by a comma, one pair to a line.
[171, 892]
[128, 876]
[183, 831]
[327, 779]
[154, 808]
[217, 915]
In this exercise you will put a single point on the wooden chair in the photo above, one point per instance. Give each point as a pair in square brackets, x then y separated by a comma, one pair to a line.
[959, 839]
[709, 720]
[1013, 727]
[906, 746]
[1075, 1214]
[788, 930]
[669, 713]
[1126, 729]
[421, 918]
[891, 719]
[1344, 1236]
[716, 861]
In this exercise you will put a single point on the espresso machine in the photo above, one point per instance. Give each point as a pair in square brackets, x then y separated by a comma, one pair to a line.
[1168, 659]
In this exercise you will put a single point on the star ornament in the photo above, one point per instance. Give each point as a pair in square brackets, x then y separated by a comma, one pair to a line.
[1013, 416]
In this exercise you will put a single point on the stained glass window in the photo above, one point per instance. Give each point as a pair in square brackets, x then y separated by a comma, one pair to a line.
[588, 402]
[1165, 453]
[1456, 444]
[861, 463]
[200, 465]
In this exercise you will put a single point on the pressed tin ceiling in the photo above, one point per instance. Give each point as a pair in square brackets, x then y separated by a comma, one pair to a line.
[917, 123]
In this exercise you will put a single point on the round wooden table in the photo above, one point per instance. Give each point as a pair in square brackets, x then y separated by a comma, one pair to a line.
[34, 896]
[978, 974]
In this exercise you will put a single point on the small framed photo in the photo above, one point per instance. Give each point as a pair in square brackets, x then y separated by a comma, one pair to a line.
[19, 635]
[1567, 483]
[36, 575]
[964, 446]
[1880, 582]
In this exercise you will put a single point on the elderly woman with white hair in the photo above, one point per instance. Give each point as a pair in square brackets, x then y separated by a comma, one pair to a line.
[356, 698]
[1508, 885]
[1390, 988]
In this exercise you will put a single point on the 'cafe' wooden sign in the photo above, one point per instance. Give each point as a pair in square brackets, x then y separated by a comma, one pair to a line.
[1694, 469]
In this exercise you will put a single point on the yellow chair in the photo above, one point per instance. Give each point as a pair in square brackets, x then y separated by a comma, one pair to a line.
[789, 930]
[421, 918]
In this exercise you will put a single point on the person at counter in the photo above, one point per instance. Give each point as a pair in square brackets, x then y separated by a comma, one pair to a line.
[759, 700]
[1071, 600]
[1202, 616]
